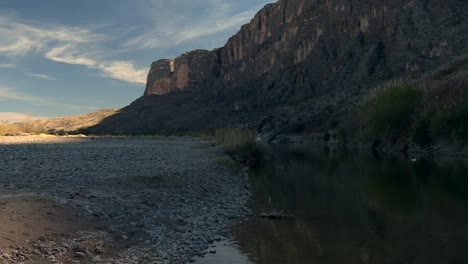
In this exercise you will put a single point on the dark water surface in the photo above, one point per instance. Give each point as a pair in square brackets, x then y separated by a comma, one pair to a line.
[350, 208]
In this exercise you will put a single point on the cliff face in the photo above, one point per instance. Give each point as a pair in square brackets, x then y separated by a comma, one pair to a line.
[325, 44]
[188, 71]
[299, 63]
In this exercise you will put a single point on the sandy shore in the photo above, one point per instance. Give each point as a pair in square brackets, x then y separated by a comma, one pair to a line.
[113, 200]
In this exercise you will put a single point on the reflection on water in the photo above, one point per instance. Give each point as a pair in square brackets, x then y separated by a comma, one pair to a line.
[354, 208]
[223, 252]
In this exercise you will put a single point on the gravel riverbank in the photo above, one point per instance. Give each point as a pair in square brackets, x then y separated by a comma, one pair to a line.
[136, 200]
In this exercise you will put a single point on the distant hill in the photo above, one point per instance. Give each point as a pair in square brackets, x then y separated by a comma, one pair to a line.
[77, 122]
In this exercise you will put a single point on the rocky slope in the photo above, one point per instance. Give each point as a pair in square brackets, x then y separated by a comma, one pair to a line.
[298, 63]
[73, 123]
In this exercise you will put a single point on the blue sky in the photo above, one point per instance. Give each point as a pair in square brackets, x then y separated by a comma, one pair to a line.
[61, 58]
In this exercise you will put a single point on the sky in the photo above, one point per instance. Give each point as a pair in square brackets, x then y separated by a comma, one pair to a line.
[60, 58]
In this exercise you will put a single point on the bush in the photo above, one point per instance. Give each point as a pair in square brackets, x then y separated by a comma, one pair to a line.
[450, 124]
[448, 115]
[342, 135]
[237, 141]
[430, 111]
[31, 128]
[421, 134]
[391, 110]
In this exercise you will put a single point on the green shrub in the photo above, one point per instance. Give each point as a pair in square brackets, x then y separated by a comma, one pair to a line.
[342, 135]
[450, 124]
[461, 120]
[440, 124]
[391, 110]
[421, 133]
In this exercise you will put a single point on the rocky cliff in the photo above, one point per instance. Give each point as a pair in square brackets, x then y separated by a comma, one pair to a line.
[325, 44]
[298, 61]
[191, 70]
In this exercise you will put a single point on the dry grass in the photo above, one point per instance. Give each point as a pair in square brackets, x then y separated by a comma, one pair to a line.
[228, 163]
[6, 128]
[238, 142]
[27, 127]
[62, 125]
[233, 138]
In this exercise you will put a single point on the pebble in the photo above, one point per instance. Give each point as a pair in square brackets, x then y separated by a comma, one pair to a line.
[80, 255]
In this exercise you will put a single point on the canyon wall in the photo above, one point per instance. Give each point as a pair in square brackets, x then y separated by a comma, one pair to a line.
[325, 44]
[299, 64]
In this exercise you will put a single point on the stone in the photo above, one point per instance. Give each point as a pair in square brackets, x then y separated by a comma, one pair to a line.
[79, 254]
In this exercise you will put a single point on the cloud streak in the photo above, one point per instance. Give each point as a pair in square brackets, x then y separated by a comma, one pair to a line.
[177, 24]
[119, 70]
[7, 65]
[41, 76]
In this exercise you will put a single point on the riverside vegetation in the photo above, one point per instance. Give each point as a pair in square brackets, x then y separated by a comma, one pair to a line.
[424, 114]
[238, 143]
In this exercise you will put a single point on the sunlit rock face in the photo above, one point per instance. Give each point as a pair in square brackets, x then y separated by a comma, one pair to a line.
[318, 45]
[160, 77]
[189, 71]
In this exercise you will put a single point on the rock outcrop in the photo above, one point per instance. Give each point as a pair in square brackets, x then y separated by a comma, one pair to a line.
[300, 62]
[191, 70]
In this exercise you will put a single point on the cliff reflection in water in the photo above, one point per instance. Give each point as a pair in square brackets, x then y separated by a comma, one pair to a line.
[352, 208]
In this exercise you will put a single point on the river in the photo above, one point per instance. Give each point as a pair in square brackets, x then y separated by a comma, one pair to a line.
[349, 207]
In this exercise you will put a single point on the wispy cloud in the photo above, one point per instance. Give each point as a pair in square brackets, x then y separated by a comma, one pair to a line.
[71, 45]
[70, 54]
[119, 70]
[123, 70]
[177, 23]
[41, 76]
[7, 93]
[7, 65]
[20, 37]
[13, 117]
